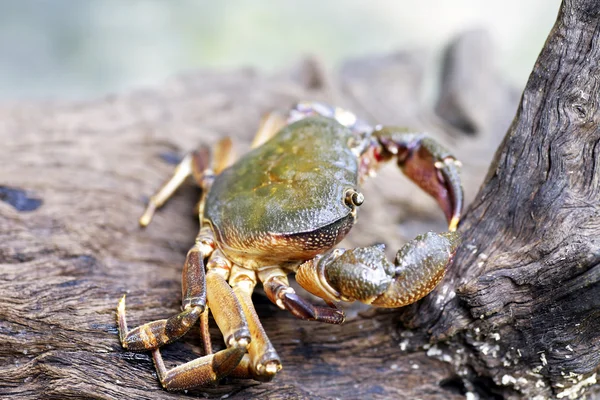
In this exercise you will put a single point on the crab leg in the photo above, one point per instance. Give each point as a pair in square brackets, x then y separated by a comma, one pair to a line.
[270, 124]
[204, 331]
[196, 164]
[158, 333]
[229, 315]
[261, 362]
[199, 289]
[428, 164]
[199, 372]
[364, 274]
[278, 290]
[182, 171]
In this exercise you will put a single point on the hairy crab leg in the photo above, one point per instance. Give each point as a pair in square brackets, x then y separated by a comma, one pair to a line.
[204, 331]
[229, 316]
[364, 273]
[199, 372]
[182, 171]
[158, 333]
[278, 290]
[428, 164]
[224, 156]
[270, 124]
[199, 289]
[196, 164]
[262, 362]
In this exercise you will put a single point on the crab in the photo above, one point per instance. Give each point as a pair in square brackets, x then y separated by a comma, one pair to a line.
[279, 210]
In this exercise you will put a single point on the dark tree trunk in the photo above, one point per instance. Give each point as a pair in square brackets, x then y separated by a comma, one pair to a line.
[517, 315]
[527, 276]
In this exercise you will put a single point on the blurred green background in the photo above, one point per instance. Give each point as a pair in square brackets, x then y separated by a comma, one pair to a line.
[74, 49]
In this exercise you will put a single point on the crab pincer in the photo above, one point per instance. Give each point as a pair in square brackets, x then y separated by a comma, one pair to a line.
[427, 163]
[364, 274]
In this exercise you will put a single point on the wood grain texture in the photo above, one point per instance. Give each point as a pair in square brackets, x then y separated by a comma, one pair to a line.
[75, 178]
[92, 165]
[524, 293]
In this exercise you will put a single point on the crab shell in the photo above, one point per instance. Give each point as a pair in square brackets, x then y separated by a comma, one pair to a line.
[285, 201]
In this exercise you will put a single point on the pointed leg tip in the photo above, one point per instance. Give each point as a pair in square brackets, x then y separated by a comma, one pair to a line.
[266, 372]
[145, 220]
[146, 217]
[121, 305]
[273, 367]
[121, 321]
[453, 224]
[226, 360]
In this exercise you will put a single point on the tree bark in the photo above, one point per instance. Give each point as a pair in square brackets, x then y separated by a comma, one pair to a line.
[516, 316]
[523, 295]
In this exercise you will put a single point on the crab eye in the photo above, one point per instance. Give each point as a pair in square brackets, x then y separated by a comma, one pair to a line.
[354, 198]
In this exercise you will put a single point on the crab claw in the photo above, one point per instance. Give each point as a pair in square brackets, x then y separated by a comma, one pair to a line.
[429, 165]
[420, 266]
[364, 273]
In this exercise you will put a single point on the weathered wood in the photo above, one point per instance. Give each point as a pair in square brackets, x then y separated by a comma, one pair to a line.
[71, 251]
[524, 293]
[75, 177]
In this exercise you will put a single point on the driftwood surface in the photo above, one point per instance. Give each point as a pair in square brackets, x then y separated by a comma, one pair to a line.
[75, 178]
[79, 175]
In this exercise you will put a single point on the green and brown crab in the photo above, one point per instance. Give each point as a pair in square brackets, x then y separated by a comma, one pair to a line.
[281, 209]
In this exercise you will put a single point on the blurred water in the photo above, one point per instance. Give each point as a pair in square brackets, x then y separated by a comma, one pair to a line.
[79, 49]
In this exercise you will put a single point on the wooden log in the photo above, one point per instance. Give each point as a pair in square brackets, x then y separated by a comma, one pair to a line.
[73, 184]
[76, 177]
